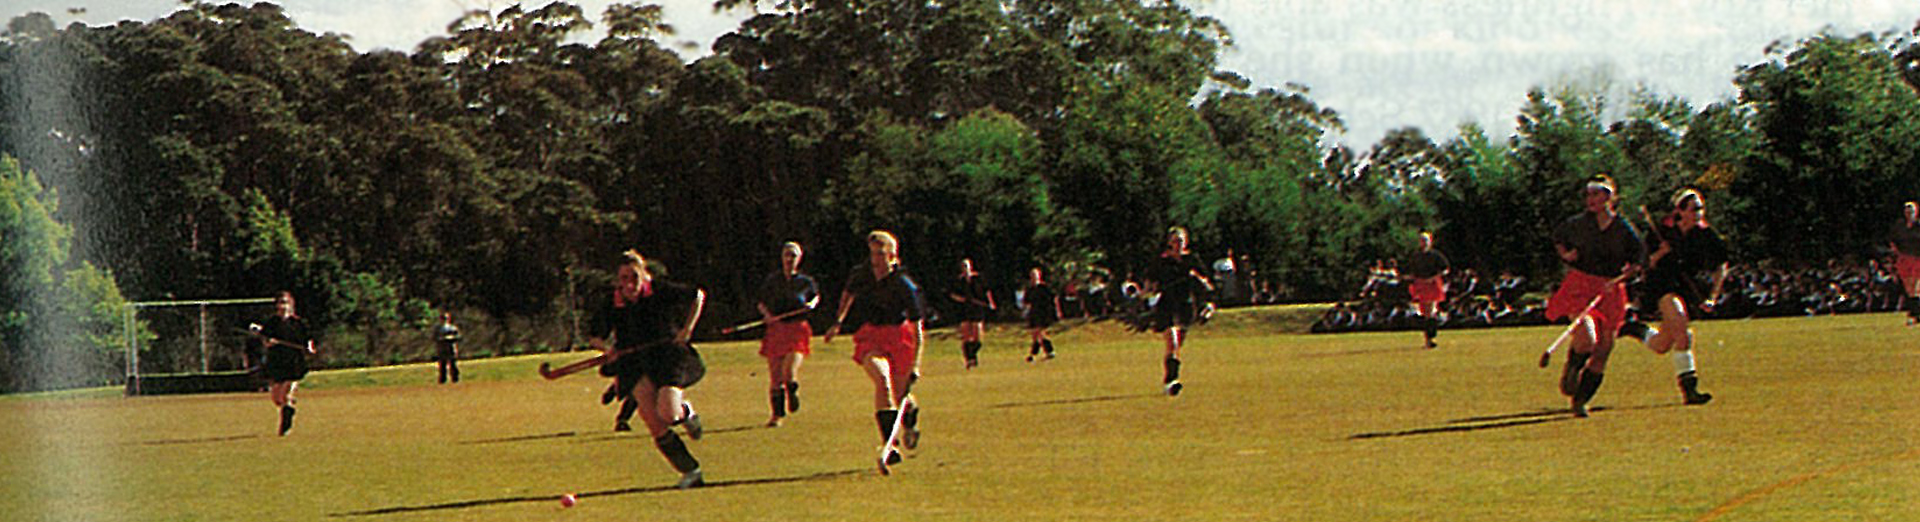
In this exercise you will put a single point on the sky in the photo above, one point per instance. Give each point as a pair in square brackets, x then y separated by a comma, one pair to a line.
[1382, 64]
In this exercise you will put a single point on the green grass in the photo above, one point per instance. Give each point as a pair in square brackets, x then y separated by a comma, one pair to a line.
[1815, 419]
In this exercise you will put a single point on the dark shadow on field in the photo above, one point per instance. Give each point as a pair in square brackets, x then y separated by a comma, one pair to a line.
[464, 504]
[1082, 400]
[521, 438]
[597, 437]
[1508, 420]
[229, 438]
[1366, 351]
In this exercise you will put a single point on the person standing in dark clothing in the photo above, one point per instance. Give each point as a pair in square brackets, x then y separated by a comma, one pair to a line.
[446, 338]
[1043, 310]
[1427, 270]
[286, 343]
[1600, 250]
[976, 304]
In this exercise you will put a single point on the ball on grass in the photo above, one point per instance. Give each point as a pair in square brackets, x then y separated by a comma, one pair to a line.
[567, 500]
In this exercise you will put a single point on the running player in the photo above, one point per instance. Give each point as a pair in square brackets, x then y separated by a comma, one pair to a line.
[1904, 238]
[286, 343]
[1684, 246]
[1043, 310]
[1427, 270]
[651, 323]
[1183, 289]
[1599, 249]
[786, 298]
[883, 308]
[976, 304]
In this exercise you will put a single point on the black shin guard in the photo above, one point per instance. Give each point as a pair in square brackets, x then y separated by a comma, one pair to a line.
[1690, 389]
[1033, 349]
[884, 419]
[1589, 385]
[1570, 375]
[777, 399]
[627, 408]
[1173, 369]
[676, 452]
[1048, 345]
[910, 419]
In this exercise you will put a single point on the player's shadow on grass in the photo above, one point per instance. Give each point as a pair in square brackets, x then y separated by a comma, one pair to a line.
[1494, 422]
[597, 437]
[169, 442]
[1081, 400]
[464, 504]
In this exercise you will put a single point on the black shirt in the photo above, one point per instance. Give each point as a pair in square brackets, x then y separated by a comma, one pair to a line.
[1905, 239]
[1425, 264]
[1600, 252]
[782, 294]
[654, 316]
[1040, 301]
[890, 300]
[293, 330]
[1174, 277]
[970, 290]
[1691, 252]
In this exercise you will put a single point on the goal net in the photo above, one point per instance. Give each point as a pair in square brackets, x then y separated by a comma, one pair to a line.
[189, 337]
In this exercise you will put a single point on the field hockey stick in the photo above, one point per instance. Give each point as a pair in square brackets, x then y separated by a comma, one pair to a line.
[550, 373]
[254, 330]
[899, 422]
[756, 323]
[1547, 356]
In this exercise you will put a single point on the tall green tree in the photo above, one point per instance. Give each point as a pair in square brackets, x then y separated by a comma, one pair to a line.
[60, 318]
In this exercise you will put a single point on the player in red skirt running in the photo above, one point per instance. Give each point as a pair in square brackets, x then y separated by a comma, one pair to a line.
[883, 307]
[1599, 249]
[1427, 270]
[786, 298]
[1904, 238]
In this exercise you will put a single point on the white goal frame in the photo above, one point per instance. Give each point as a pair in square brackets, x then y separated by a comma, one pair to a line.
[132, 311]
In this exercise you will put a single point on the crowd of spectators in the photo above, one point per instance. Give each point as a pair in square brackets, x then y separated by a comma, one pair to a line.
[1507, 300]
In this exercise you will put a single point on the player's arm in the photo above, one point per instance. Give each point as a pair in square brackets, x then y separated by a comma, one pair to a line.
[840, 316]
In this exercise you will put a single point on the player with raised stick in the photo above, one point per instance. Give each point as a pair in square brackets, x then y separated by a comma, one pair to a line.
[1179, 278]
[1426, 270]
[644, 310]
[286, 343]
[883, 308]
[1683, 245]
[976, 305]
[1904, 239]
[786, 298]
[1600, 249]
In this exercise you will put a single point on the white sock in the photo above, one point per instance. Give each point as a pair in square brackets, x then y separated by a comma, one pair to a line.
[1682, 361]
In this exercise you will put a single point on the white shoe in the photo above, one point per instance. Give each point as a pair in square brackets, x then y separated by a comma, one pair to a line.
[691, 479]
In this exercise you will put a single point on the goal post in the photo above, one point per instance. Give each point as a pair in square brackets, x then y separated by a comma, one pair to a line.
[185, 335]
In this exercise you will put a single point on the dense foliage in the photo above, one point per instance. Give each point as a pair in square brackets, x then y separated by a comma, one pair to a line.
[495, 170]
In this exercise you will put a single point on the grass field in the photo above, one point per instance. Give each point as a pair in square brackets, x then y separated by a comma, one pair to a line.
[1815, 419]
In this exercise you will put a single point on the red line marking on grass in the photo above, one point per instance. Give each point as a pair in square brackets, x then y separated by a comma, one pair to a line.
[1755, 495]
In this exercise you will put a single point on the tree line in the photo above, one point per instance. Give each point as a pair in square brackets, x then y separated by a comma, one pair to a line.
[498, 168]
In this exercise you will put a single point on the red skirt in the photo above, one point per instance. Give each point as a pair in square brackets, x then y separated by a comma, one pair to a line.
[1429, 290]
[784, 338]
[1579, 289]
[1909, 269]
[894, 342]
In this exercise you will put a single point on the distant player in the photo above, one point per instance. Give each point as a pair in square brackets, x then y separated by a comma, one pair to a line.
[1683, 246]
[883, 307]
[1183, 288]
[976, 304]
[1426, 270]
[651, 321]
[1598, 248]
[1904, 238]
[286, 343]
[1043, 310]
[446, 338]
[786, 299]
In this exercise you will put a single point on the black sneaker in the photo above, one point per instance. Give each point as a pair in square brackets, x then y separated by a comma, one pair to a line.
[1696, 399]
[286, 420]
[622, 426]
[793, 397]
[1173, 388]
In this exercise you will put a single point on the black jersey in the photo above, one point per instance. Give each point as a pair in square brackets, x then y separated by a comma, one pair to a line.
[656, 315]
[893, 299]
[782, 294]
[1600, 252]
[971, 290]
[284, 361]
[1690, 252]
[1041, 301]
[1425, 264]
[1905, 239]
[1174, 276]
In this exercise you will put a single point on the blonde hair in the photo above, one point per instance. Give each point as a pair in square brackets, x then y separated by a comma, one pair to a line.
[886, 242]
[1681, 196]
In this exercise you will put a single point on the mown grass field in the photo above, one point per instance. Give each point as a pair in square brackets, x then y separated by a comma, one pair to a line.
[1816, 419]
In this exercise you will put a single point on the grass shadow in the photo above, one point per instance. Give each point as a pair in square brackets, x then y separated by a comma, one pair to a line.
[464, 504]
[1494, 422]
[1082, 400]
[521, 438]
[168, 442]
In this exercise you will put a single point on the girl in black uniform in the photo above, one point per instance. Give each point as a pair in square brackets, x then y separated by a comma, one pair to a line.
[286, 343]
[1183, 290]
[1043, 310]
[884, 308]
[976, 304]
[651, 321]
[1683, 246]
[786, 299]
